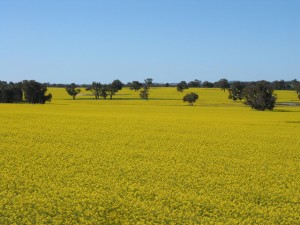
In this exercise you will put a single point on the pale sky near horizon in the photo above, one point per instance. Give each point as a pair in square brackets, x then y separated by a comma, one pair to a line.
[64, 41]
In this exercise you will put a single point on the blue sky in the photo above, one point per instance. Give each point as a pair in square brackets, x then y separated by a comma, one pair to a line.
[64, 41]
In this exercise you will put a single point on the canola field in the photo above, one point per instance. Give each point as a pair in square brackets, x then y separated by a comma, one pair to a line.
[130, 161]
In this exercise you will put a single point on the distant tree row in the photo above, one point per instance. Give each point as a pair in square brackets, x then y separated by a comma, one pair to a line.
[225, 84]
[33, 92]
[258, 95]
[10, 92]
[297, 88]
[98, 89]
[104, 90]
[222, 83]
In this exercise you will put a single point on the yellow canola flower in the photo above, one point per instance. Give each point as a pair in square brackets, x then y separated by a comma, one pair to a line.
[129, 161]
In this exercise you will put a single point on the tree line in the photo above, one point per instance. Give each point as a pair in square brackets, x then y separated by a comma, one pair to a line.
[258, 95]
[29, 91]
[277, 84]
[105, 90]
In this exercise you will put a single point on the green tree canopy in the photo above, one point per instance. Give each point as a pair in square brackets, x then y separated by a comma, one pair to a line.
[207, 84]
[223, 84]
[236, 91]
[35, 92]
[72, 90]
[113, 88]
[117, 84]
[135, 85]
[182, 86]
[195, 83]
[104, 91]
[191, 98]
[259, 96]
[144, 93]
[148, 82]
[95, 88]
[297, 87]
[10, 92]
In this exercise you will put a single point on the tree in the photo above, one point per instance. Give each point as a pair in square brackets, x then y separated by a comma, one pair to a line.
[280, 85]
[207, 84]
[144, 93]
[96, 89]
[191, 98]
[73, 90]
[11, 92]
[113, 88]
[103, 92]
[223, 84]
[259, 96]
[35, 92]
[297, 88]
[295, 83]
[135, 85]
[117, 84]
[236, 91]
[148, 82]
[182, 86]
[195, 83]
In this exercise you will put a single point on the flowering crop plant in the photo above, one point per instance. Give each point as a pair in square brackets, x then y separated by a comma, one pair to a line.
[131, 161]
